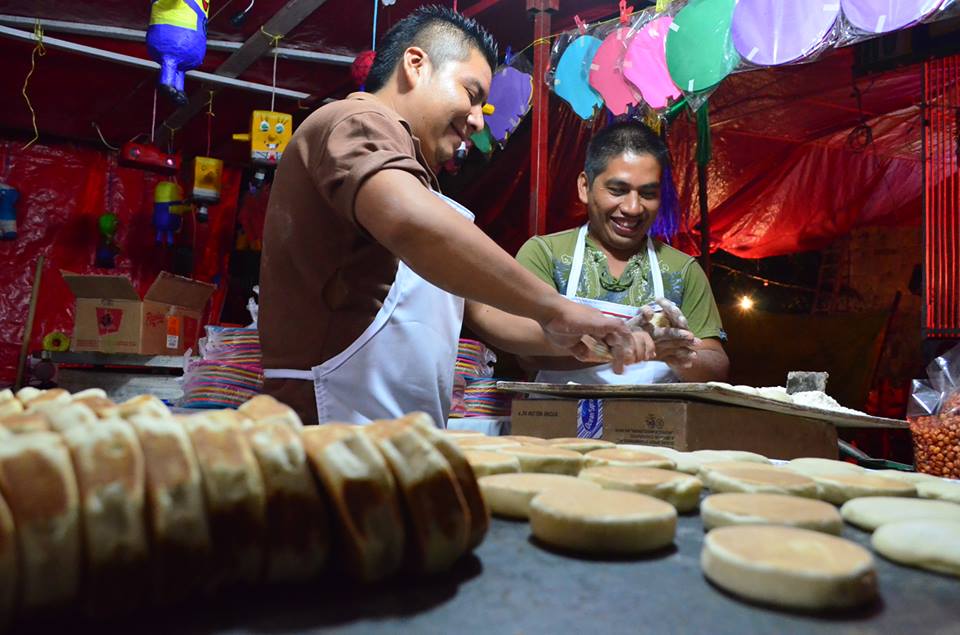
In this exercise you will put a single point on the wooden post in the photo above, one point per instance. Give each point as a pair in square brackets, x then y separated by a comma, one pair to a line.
[539, 156]
[28, 327]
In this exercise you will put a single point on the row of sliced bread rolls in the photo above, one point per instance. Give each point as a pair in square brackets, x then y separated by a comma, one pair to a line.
[120, 505]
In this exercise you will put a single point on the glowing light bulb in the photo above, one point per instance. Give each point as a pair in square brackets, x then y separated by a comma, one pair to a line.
[746, 303]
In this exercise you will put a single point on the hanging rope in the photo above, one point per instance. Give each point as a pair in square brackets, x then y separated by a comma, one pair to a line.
[38, 51]
[153, 118]
[102, 138]
[210, 117]
[274, 42]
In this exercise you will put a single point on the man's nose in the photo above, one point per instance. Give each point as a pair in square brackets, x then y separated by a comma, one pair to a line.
[631, 204]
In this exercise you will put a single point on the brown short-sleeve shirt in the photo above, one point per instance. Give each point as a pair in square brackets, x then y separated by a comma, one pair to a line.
[322, 277]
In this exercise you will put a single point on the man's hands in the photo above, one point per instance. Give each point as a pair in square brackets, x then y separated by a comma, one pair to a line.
[670, 333]
[663, 336]
[586, 333]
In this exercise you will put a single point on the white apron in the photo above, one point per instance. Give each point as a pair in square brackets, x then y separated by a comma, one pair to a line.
[404, 361]
[641, 373]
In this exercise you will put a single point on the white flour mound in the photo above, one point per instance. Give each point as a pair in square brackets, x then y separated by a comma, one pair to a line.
[818, 399]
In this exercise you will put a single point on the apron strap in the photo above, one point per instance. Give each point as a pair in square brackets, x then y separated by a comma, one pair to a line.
[287, 373]
[655, 275]
[573, 282]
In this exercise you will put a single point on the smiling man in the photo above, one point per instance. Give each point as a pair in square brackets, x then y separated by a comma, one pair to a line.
[367, 267]
[614, 263]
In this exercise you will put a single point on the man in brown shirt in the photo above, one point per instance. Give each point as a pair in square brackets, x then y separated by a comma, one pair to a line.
[365, 265]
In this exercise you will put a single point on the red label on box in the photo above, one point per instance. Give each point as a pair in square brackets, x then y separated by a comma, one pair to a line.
[108, 320]
[154, 319]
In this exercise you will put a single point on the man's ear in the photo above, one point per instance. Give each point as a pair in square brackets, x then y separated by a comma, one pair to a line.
[583, 187]
[413, 67]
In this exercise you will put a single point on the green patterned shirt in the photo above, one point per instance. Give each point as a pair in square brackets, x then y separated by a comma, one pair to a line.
[550, 258]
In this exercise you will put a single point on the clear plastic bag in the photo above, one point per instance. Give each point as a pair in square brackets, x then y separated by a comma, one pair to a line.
[934, 416]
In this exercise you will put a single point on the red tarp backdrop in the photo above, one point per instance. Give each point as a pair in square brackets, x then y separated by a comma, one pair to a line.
[63, 191]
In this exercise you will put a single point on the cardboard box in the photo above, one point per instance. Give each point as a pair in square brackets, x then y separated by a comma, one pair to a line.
[110, 317]
[682, 425]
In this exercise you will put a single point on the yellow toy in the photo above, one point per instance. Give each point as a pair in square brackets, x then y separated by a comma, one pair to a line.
[269, 135]
[207, 175]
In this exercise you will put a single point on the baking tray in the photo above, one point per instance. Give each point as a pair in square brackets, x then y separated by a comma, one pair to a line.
[698, 392]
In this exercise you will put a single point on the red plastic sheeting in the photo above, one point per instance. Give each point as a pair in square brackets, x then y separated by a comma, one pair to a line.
[63, 191]
[783, 178]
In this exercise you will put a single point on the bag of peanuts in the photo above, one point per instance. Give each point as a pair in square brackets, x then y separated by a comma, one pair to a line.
[934, 416]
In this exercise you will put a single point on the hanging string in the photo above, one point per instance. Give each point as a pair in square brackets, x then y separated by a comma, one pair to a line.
[274, 42]
[38, 51]
[173, 131]
[153, 118]
[102, 138]
[376, 7]
[210, 117]
[273, 88]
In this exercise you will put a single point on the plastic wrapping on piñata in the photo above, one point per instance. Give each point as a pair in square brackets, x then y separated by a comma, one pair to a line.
[571, 74]
[606, 70]
[934, 415]
[865, 19]
[644, 63]
[774, 32]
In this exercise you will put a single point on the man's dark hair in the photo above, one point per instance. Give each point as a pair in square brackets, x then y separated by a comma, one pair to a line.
[635, 137]
[440, 31]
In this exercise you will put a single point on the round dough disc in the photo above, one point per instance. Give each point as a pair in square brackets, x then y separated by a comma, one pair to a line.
[509, 495]
[756, 479]
[789, 567]
[875, 511]
[604, 522]
[927, 544]
[483, 442]
[815, 467]
[485, 463]
[627, 458]
[738, 508]
[542, 458]
[839, 488]
[580, 445]
[906, 477]
[680, 490]
[940, 490]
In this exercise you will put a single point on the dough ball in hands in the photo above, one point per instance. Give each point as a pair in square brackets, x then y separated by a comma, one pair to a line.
[485, 463]
[438, 521]
[364, 497]
[466, 479]
[509, 495]
[627, 458]
[546, 459]
[236, 500]
[607, 522]
[176, 517]
[871, 512]
[738, 508]
[298, 533]
[789, 567]
[575, 444]
[680, 490]
[37, 480]
[110, 472]
[926, 544]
